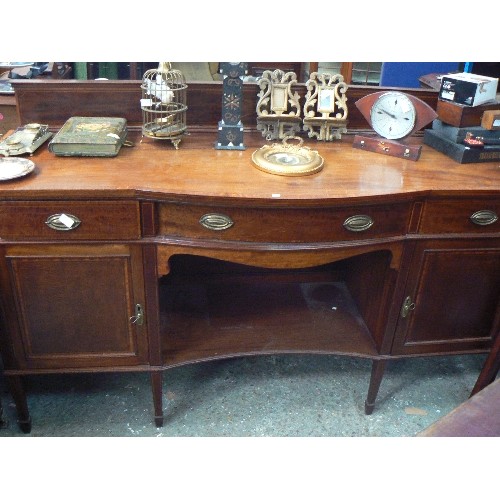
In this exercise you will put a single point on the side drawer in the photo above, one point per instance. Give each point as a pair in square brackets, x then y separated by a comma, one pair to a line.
[461, 216]
[283, 225]
[70, 220]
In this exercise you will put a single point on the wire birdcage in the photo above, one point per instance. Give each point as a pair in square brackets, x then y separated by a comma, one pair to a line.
[163, 104]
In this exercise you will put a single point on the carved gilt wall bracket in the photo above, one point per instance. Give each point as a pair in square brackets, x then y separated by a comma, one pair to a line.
[325, 109]
[278, 108]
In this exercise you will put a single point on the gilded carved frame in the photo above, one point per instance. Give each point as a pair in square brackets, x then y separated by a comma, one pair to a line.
[278, 108]
[325, 109]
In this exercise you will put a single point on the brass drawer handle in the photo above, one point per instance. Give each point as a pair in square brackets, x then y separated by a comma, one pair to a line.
[484, 217]
[63, 222]
[216, 222]
[358, 223]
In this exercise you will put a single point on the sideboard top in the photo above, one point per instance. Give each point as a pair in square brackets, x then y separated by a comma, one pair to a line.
[198, 172]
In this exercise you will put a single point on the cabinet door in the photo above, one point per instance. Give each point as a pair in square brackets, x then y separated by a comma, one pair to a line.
[451, 301]
[72, 306]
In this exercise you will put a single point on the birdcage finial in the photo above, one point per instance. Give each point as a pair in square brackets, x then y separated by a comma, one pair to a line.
[163, 67]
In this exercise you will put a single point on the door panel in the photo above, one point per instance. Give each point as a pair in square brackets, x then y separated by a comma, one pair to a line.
[73, 305]
[453, 294]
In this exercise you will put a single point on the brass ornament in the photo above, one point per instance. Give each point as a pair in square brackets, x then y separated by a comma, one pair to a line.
[325, 109]
[288, 159]
[278, 108]
[25, 139]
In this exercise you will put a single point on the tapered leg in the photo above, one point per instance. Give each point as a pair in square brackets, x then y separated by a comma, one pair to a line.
[19, 396]
[490, 368]
[156, 384]
[378, 367]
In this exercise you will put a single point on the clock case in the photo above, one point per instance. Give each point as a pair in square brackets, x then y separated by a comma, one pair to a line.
[424, 115]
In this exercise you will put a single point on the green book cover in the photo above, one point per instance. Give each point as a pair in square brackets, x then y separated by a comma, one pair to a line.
[89, 136]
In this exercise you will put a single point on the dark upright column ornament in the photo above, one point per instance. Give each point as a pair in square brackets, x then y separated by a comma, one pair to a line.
[230, 135]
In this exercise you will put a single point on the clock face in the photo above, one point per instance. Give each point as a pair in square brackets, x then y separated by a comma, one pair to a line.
[393, 115]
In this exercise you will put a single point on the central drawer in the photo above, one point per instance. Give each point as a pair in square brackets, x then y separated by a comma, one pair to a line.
[70, 220]
[283, 225]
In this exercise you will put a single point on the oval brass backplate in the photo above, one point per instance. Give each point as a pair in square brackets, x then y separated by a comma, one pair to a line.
[484, 217]
[358, 223]
[63, 222]
[216, 222]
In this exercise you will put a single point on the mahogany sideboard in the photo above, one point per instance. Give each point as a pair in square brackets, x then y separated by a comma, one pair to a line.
[190, 255]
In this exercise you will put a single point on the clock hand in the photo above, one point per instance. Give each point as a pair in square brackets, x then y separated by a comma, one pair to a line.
[387, 113]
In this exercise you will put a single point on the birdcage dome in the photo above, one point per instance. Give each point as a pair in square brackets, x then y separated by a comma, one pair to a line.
[163, 104]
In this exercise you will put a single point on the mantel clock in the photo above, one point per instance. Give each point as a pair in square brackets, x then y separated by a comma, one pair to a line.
[394, 116]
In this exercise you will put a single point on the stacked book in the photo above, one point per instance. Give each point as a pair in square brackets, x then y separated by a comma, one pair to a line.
[467, 128]
[464, 144]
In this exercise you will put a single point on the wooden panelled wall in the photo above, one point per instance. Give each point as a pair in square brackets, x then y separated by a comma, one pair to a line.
[53, 102]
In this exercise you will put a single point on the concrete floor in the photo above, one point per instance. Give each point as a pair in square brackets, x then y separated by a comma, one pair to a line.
[289, 395]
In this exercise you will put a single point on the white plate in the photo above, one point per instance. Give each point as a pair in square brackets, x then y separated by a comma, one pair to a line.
[12, 168]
